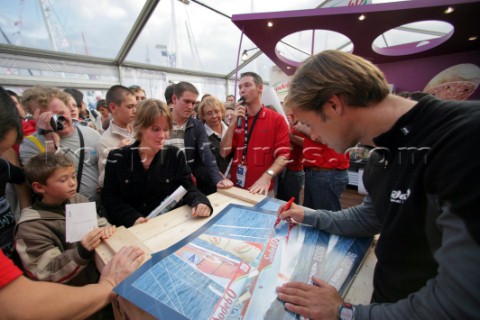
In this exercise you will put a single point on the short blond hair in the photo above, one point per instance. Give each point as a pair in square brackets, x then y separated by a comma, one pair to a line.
[147, 111]
[43, 165]
[213, 102]
[331, 72]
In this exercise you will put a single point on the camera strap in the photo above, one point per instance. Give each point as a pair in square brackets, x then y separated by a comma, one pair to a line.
[82, 157]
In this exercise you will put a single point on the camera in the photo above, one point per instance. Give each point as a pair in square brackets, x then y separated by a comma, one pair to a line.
[56, 122]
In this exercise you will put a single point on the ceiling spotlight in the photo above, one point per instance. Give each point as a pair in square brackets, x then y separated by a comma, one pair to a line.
[288, 67]
[473, 38]
[449, 10]
[245, 54]
[362, 17]
[270, 24]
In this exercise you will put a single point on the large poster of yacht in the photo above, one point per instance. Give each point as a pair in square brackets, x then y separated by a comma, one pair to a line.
[230, 268]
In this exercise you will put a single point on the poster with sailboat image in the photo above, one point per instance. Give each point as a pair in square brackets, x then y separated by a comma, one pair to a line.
[229, 268]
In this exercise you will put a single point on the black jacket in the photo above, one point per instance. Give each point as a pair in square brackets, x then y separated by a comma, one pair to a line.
[130, 192]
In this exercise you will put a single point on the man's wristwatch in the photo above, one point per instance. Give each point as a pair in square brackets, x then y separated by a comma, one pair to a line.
[270, 172]
[346, 311]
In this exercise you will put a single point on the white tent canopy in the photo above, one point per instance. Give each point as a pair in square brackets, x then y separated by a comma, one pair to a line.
[93, 44]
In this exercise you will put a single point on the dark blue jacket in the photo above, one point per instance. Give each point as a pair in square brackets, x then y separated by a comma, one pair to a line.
[199, 156]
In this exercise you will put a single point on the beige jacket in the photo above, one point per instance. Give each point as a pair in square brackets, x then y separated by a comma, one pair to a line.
[41, 244]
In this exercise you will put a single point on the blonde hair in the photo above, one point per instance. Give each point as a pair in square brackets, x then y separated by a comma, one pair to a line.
[357, 81]
[43, 96]
[39, 95]
[147, 111]
[213, 102]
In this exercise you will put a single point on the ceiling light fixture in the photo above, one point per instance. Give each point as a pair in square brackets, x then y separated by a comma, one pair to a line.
[362, 17]
[245, 53]
[270, 24]
[449, 10]
[473, 38]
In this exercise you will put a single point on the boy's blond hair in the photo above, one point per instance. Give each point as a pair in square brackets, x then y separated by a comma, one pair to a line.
[43, 165]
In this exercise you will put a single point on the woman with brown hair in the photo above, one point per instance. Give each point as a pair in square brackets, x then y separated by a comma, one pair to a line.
[138, 177]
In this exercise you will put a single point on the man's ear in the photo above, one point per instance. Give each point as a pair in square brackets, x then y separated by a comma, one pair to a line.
[260, 87]
[112, 106]
[174, 98]
[336, 104]
[38, 188]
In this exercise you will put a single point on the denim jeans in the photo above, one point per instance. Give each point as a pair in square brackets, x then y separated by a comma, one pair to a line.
[324, 188]
[290, 184]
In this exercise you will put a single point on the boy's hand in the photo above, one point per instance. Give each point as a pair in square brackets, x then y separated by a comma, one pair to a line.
[296, 214]
[107, 232]
[92, 239]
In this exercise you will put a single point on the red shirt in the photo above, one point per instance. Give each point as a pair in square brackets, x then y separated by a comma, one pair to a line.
[296, 154]
[268, 140]
[319, 155]
[8, 271]
[28, 127]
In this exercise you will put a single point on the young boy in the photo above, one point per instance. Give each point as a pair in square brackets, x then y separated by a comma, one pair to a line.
[40, 238]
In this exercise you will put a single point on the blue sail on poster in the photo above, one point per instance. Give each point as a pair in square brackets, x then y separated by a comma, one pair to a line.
[229, 269]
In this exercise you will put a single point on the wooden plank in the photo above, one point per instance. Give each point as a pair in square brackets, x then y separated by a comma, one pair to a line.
[242, 194]
[165, 230]
[122, 237]
[103, 254]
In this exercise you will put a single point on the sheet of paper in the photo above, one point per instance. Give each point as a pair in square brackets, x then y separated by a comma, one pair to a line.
[169, 202]
[81, 218]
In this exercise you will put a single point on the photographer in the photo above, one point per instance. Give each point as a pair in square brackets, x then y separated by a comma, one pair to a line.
[56, 133]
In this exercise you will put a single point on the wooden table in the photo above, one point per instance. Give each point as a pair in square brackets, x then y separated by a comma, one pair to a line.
[164, 231]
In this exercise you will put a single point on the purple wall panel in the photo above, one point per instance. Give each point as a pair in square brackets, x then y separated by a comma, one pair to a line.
[413, 75]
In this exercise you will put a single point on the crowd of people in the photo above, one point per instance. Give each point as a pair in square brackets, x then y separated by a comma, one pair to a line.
[132, 152]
